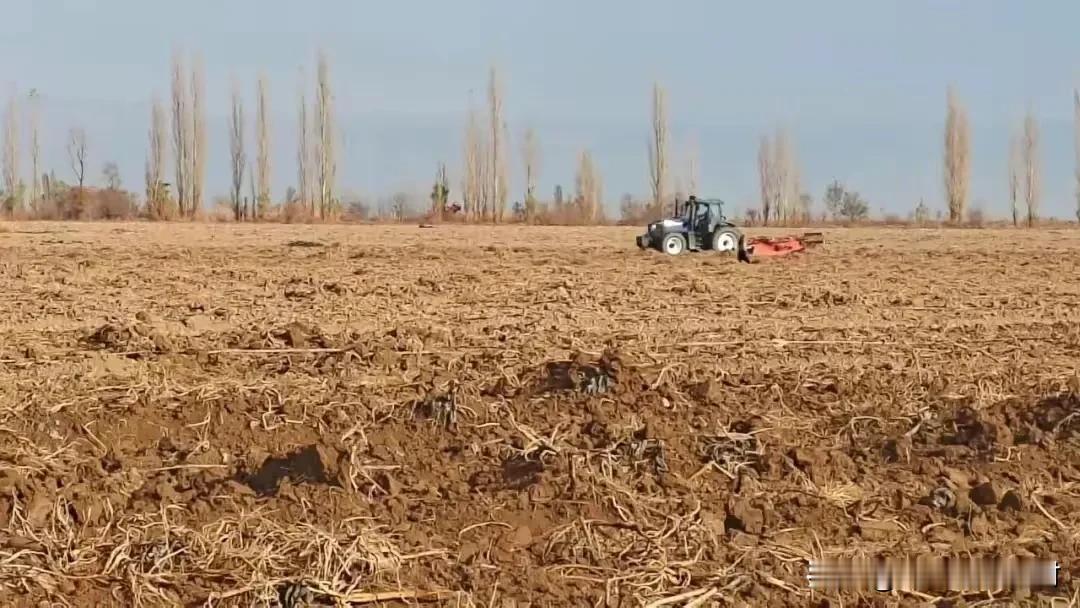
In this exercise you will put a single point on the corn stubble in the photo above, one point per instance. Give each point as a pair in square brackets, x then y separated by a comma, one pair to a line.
[461, 417]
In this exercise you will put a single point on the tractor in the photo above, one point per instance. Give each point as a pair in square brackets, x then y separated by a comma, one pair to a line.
[700, 226]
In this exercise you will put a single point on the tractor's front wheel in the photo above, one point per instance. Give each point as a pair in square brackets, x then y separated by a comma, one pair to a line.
[673, 244]
[725, 240]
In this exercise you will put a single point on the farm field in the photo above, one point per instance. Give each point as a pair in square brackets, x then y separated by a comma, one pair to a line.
[222, 415]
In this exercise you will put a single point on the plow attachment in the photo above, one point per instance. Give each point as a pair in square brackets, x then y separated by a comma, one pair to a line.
[779, 246]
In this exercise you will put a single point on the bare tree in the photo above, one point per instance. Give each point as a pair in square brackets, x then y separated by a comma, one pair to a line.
[1032, 170]
[957, 157]
[76, 149]
[498, 180]
[692, 166]
[782, 174]
[485, 207]
[304, 162]
[327, 163]
[1016, 170]
[503, 173]
[779, 178]
[799, 202]
[806, 205]
[35, 150]
[181, 130]
[440, 193]
[1076, 138]
[399, 206]
[472, 179]
[198, 131]
[250, 203]
[262, 150]
[111, 174]
[155, 162]
[10, 161]
[237, 156]
[766, 178]
[658, 150]
[789, 187]
[531, 155]
[588, 189]
[677, 190]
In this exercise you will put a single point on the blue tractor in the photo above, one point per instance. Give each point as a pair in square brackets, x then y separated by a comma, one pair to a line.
[700, 226]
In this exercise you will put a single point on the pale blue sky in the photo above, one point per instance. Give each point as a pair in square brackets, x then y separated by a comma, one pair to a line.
[860, 82]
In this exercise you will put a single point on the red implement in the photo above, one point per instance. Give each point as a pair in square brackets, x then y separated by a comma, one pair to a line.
[782, 245]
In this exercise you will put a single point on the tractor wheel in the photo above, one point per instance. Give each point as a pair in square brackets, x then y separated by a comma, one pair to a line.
[673, 244]
[725, 240]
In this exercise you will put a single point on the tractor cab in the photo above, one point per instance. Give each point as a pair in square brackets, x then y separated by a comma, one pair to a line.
[701, 216]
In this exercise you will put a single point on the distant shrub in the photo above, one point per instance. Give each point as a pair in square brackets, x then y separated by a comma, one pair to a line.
[854, 208]
[753, 216]
[295, 212]
[921, 214]
[976, 217]
[632, 212]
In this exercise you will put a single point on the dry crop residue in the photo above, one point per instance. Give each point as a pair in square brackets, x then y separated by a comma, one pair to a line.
[471, 416]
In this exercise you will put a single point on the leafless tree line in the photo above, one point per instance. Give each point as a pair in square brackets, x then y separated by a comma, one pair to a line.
[256, 205]
[262, 194]
[1025, 168]
[28, 198]
[473, 192]
[957, 157]
[779, 180]
[326, 160]
[661, 174]
[316, 149]
[589, 189]
[1025, 172]
[76, 149]
[658, 151]
[485, 183]
[157, 200]
[1031, 167]
[35, 152]
[531, 155]
[779, 175]
[237, 155]
[9, 163]
[188, 135]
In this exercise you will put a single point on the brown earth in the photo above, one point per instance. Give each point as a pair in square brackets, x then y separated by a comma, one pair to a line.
[215, 415]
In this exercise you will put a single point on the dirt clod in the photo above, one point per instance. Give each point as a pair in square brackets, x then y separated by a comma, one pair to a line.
[1010, 501]
[39, 509]
[309, 464]
[520, 472]
[744, 517]
[983, 494]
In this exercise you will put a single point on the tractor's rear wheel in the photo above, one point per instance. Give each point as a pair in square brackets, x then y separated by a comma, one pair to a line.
[673, 244]
[725, 241]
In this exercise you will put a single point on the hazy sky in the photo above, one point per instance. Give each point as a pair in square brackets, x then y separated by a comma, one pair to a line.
[860, 83]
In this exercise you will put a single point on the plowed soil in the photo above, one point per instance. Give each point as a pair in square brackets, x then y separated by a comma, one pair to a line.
[215, 415]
